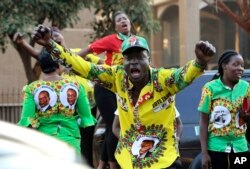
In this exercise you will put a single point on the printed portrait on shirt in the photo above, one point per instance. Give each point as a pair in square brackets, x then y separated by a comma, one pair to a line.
[69, 95]
[45, 98]
[144, 146]
[220, 117]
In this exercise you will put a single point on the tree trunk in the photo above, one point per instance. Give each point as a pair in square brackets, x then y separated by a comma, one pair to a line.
[32, 74]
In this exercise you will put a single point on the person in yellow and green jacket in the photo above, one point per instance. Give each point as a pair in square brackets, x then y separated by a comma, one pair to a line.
[146, 114]
[49, 108]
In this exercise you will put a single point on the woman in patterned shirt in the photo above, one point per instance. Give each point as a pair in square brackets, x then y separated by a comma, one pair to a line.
[58, 120]
[222, 126]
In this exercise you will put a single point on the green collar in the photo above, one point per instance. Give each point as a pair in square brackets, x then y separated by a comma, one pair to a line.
[122, 36]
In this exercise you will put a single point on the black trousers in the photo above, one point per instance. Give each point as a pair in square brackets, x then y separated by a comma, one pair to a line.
[176, 164]
[221, 160]
[106, 104]
[87, 135]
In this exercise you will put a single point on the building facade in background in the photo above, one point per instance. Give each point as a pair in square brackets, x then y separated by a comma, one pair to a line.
[183, 23]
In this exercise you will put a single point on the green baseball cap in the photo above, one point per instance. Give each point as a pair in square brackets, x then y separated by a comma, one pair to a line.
[134, 42]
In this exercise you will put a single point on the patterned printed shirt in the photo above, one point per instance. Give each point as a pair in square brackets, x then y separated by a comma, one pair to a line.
[226, 131]
[87, 84]
[57, 108]
[147, 129]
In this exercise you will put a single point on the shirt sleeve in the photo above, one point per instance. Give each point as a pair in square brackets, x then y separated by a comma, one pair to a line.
[101, 74]
[28, 116]
[89, 57]
[93, 58]
[248, 92]
[102, 45]
[83, 108]
[177, 79]
[205, 102]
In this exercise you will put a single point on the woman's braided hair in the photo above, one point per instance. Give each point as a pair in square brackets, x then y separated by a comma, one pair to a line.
[224, 59]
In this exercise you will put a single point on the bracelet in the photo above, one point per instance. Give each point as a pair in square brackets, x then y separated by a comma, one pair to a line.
[202, 66]
[50, 46]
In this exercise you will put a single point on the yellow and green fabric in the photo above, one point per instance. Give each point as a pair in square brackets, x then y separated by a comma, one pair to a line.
[151, 119]
[226, 131]
[58, 118]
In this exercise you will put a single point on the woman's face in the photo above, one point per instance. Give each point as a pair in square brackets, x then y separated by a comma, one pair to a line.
[122, 24]
[233, 70]
[58, 38]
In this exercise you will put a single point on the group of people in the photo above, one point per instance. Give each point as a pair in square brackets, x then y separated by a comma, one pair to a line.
[136, 100]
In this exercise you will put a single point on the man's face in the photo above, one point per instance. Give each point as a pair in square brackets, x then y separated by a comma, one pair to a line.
[71, 96]
[136, 65]
[146, 145]
[43, 98]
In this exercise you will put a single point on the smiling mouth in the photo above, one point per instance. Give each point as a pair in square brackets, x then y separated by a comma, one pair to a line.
[239, 75]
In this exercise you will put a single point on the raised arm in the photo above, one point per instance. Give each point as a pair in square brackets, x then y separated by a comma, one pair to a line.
[102, 74]
[175, 80]
[204, 52]
[83, 53]
[18, 38]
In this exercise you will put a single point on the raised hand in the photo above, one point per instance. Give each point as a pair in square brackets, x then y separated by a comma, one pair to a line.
[18, 38]
[204, 52]
[41, 35]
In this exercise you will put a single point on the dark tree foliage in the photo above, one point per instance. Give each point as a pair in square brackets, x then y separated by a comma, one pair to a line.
[139, 12]
[23, 15]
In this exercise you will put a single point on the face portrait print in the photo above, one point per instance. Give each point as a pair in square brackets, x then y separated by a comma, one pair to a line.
[45, 98]
[144, 146]
[69, 95]
[220, 117]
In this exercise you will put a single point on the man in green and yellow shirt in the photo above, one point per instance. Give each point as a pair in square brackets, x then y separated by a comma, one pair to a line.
[146, 112]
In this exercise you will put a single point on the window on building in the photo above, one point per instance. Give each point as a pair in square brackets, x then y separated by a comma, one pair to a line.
[170, 36]
[223, 32]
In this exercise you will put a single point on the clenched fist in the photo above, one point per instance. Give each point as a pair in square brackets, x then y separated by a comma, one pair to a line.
[204, 52]
[41, 35]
